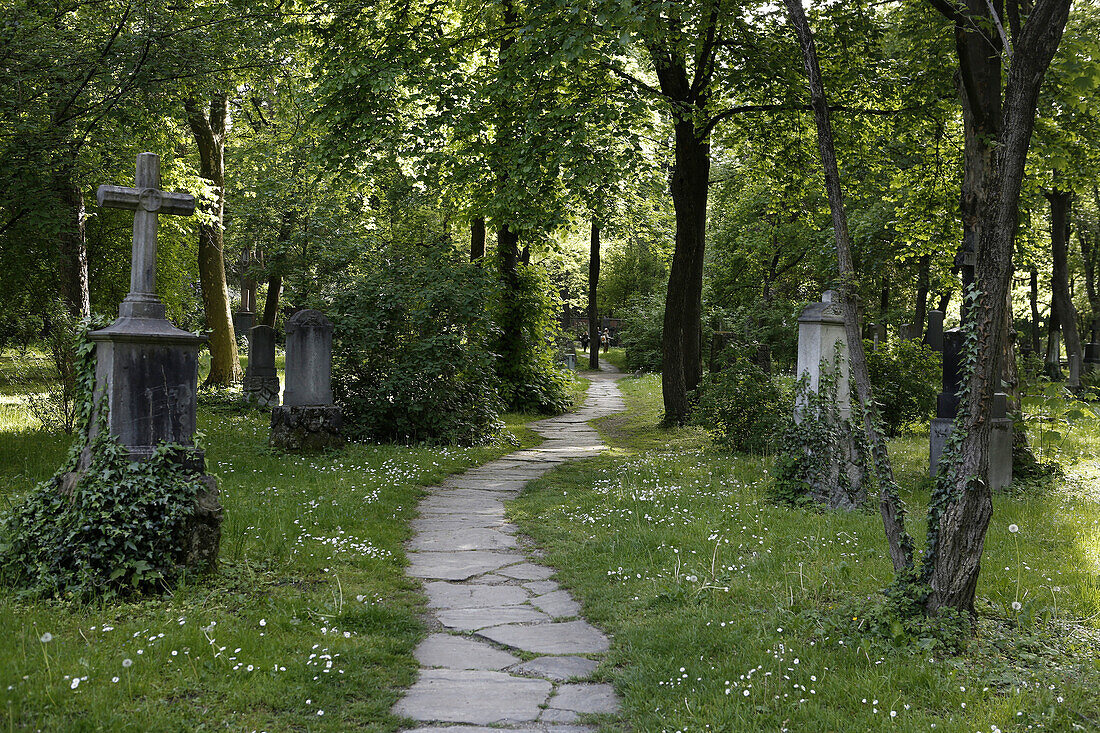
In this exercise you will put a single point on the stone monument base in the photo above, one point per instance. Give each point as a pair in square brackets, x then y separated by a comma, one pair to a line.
[304, 427]
[1000, 449]
[261, 391]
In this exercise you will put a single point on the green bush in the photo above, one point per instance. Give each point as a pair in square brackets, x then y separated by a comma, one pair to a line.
[641, 333]
[531, 379]
[411, 355]
[740, 406]
[905, 377]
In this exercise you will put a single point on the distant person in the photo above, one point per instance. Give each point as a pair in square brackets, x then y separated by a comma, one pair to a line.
[584, 341]
[605, 340]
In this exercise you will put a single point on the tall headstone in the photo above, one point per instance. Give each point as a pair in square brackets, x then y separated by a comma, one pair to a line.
[146, 368]
[245, 318]
[823, 357]
[307, 419]
[934, 337]
[1092, 357]
[1052, 365]
[1074, 381]
[261, 381]
[947, 405]
[820, 334]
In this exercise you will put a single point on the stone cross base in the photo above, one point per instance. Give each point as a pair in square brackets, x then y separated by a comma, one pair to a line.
[261, 391]
[1000, 450]
[306, 428]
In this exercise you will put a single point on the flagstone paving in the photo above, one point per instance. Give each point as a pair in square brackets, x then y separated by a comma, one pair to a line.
[492, 602]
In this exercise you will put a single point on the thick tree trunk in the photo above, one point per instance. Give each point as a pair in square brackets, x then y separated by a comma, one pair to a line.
[962, 506]
[511, 335]
[890, 505]
[593, 282]
[1060, 203]
[209, 131]
[477, 238]
[1088, 236]
[681, 360]
[1033, 297]
[72, 245]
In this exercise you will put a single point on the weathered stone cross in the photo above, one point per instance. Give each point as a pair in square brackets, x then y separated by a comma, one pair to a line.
[148, 201]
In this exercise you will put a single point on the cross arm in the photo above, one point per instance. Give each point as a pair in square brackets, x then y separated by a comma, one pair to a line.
[148, 199]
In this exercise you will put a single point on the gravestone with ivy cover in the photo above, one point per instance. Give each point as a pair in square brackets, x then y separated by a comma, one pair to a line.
[307, 419]
[999, 474]
[147, 369]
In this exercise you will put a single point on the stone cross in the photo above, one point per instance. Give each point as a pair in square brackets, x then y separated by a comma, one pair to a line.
[148, 201]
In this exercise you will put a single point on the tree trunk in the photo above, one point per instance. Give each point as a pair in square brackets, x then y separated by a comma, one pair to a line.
[1033, 296]
[72, 245]
[477, 238]
[890, 505]
[271, 302]
[962, 506]
[920, 316]
[511, 335]
[209, 131]
[681, 360]
[593, 281]
[1062, 301]
[1088, 236]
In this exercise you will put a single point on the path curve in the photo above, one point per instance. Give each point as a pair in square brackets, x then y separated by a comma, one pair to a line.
[488, 599]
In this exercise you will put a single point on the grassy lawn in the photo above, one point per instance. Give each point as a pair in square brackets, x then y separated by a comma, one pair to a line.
[310, 625]
[729, 613]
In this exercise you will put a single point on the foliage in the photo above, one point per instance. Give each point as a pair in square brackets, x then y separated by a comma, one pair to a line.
[411, 359]
[1050, 412]
[530, 380]
[641, 334]
[108, 529]
[740, 406]
[905, 377]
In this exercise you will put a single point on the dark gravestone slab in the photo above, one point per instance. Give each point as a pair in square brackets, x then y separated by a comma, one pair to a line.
[934, 337]
[307, 420]
[261, 381]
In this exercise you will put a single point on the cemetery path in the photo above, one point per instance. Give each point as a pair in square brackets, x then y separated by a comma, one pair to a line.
[489, 600]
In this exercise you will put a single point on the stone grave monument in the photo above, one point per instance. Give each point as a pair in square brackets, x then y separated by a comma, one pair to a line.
[146, 368]
[934, 337]
[820, 331]
[307, 419]
[245, 318]
[1052, 365]
[261, 381]
[947, 405]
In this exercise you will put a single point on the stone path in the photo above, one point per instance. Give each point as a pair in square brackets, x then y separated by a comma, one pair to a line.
[510, 648]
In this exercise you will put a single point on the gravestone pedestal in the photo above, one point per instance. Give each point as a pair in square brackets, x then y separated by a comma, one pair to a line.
[307, 420]
[261, 381]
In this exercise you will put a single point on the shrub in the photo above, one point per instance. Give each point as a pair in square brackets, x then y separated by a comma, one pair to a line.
[641, 333]
[531, 380]
[740, 405]
[411, 356]
[905, 377]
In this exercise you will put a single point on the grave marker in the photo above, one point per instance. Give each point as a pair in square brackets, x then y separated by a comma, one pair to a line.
[261, 381]
[307, 419]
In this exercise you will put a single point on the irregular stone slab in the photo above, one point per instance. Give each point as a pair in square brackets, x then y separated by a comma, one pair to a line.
[460, 595]
[456, 565]
[458, 521]
[482, 729]
[466, 538]
[492, 482]
[558, 669]
[541, 587]
[462, 696]
[553, 715]
[464, 505]
[527, 571]
[569, 637]
[490, 579]
[472, 619]
[458, 652]
[558, 604]
[586, 698]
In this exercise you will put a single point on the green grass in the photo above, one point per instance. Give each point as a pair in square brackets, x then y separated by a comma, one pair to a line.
[729, 613]
[311, 573]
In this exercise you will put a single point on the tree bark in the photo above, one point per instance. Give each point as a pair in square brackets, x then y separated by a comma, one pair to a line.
[271, 302]
[511, 335]
[1062, 301]
[920, 316]
[477, 238]
[593, 282]
[1088, 236]
[72, 244]
[962, 506]
[1033, 296]
[209, 130]
[890, 505]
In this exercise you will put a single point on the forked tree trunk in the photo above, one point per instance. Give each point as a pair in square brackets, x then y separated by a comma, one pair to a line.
[593, 282]
[209, 130]
[962, 506]
[890, 505]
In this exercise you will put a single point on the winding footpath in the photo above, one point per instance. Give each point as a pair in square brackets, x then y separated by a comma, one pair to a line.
[509, 647]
